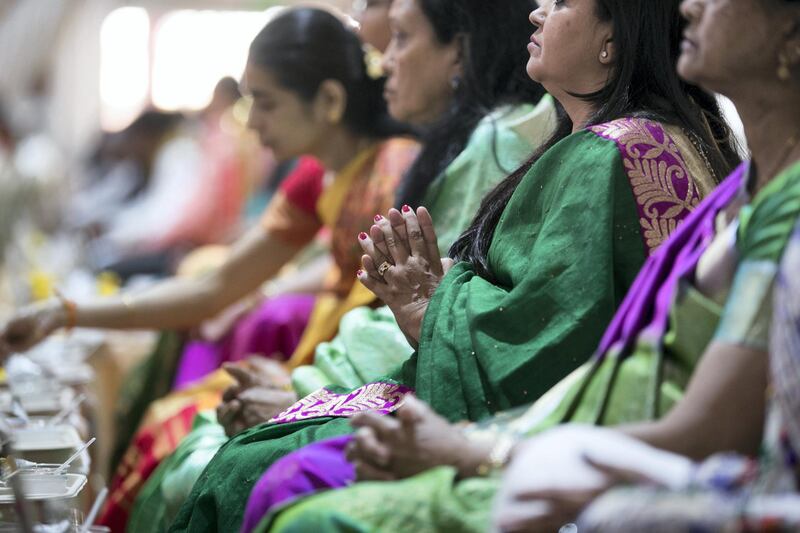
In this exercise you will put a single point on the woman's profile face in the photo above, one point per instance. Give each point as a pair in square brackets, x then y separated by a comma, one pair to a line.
[419, 68]
[567, 45]
[726, 41]
[284, 122]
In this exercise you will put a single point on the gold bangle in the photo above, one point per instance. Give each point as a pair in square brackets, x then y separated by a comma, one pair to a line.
[127, 301]
[498, 456]
[70, 308]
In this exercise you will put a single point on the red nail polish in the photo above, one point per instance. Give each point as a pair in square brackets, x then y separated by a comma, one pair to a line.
[378, 218]
[363, 236]
[406, 209]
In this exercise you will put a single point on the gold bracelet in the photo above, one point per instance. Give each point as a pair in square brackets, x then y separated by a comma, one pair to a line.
[498, 456]
[127, 302]
[70, 308]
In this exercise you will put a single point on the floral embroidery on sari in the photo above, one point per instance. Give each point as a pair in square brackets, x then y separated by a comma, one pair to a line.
[382, 398]
[664, 189]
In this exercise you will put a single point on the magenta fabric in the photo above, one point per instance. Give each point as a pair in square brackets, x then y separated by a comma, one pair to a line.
[380, 397]
[199, 359]
[273, 330]
[321, 465]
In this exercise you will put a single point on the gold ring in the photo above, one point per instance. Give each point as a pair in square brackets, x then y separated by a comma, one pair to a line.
[383, 268]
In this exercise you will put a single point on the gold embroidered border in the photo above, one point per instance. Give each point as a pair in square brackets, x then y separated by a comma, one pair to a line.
[664, 185]
[381, 397]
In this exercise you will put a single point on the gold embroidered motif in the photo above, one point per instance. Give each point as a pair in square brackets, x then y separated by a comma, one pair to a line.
[381, 397]
[664, 189]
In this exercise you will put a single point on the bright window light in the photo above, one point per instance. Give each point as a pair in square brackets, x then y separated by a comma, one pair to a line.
[194, 49]
[124, 66]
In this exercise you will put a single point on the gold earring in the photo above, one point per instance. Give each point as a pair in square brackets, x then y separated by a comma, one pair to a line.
[784, 74]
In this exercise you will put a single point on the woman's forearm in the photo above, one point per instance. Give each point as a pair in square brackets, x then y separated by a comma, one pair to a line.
[308, 279]
[722, 410]
[180, 303]
[172, 304]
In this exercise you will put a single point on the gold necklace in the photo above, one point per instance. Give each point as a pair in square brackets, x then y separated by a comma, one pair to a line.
[700, 149]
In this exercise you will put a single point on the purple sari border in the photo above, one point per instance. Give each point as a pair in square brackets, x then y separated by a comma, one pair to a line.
[381, 397]
[663, 187]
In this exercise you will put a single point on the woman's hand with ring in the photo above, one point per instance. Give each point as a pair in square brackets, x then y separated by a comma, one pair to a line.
[417, 439]
[30, 326]
[402, 265]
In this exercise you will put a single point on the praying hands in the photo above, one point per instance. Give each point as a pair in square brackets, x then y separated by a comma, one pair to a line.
[260, 393]
[402, 265]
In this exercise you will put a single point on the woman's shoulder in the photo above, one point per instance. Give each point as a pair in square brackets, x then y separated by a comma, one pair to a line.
[642, 140]
[506, 136]
[638, 138]
[535, 124]
[625, 129]
[666, 174]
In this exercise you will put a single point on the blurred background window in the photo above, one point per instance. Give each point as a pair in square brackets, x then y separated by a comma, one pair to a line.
[124, 66]
[172, 62]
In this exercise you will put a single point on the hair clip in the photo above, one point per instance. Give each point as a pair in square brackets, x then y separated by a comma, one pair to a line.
[373, 61]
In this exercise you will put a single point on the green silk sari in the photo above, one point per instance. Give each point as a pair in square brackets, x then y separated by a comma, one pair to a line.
[369, 344]
[565, 251]
[437, 501]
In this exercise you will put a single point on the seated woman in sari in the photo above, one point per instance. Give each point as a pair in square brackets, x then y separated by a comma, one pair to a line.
[722, 262]
[474, 130]
[554, 235]
[472, 137]
[727, 492]
[326, 104]
[272, 322]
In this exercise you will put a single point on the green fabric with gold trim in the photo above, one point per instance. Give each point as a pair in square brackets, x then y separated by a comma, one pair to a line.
[565, 251]
[369, 343]
[433, 501]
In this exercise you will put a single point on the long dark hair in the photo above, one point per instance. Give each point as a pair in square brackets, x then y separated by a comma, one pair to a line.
[644, 83]
[495, 36]
[303, 47]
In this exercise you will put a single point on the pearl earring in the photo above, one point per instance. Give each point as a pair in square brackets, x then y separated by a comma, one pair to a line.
[604, 54]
